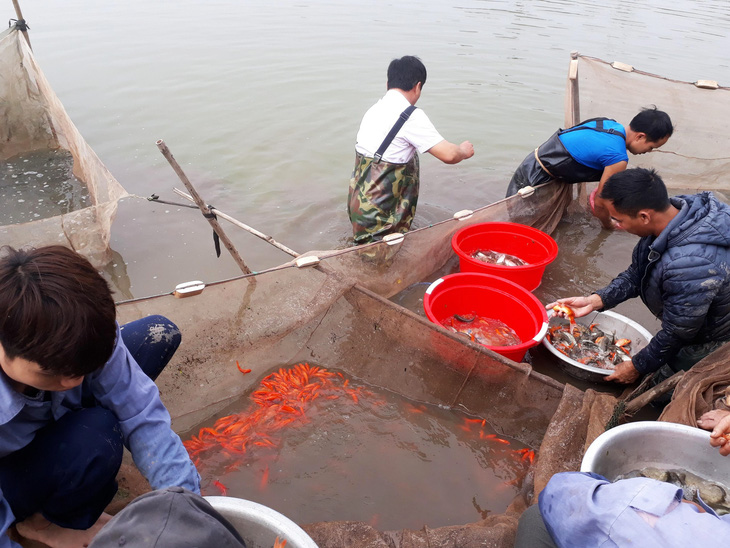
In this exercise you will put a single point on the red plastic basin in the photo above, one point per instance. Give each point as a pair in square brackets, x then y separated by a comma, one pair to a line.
[529, 244]
[492, 297]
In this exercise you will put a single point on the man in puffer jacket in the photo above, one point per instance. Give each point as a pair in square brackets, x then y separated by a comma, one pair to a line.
[680, 269]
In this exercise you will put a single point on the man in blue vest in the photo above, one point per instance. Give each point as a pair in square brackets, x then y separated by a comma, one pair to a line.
[592, 151]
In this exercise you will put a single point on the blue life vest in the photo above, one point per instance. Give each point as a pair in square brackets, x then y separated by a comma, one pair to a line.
[560, 164]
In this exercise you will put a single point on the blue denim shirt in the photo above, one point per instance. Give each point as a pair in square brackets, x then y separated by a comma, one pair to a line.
[584, 510]
[121, 387]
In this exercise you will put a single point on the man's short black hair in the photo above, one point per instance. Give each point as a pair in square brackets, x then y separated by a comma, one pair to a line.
[635, 189]
[656, 124]
[55, 310]
[406, 72]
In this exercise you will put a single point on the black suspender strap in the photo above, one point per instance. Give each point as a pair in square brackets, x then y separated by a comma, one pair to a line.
[393, 132]
[599, 127]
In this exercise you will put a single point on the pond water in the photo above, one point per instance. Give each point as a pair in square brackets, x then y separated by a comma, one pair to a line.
[328, 448]
[38, 185]
[260, 103]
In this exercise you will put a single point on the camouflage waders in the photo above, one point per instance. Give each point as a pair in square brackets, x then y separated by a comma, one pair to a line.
[382, 198]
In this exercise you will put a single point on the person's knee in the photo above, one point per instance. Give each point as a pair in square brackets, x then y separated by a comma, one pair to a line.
[531, 530]
[162, 329]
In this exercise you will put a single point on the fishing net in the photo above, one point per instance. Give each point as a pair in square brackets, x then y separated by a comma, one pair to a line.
[696, 157]
[54, 188]
[388, 270]
[337, 315]
[703, 388]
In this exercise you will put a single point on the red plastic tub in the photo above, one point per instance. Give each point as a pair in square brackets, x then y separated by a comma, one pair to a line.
[529, 244]
[492, 297]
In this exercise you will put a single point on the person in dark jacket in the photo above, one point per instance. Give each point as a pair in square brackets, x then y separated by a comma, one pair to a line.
[680, 268]
[592, 150]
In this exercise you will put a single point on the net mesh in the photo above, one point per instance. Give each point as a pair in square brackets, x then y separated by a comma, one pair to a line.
[337, 315]
[33, 119]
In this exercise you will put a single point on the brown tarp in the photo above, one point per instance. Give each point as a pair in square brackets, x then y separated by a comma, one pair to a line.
[700, 389]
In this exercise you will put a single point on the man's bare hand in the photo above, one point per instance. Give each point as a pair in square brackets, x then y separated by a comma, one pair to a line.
[582, 306]
[625, 373]
[450, 153]
[720, 436]
[467, 149]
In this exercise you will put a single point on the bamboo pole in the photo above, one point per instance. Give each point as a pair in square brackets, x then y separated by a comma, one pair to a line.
[239, 224]
[24, 26]
[204, 208]
[654, 392]
[572, 113]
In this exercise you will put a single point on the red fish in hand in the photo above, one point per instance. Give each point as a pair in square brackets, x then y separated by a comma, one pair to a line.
[565, 311]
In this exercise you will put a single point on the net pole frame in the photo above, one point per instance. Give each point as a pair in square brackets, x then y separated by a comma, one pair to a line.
[19, 14]
[203, 207]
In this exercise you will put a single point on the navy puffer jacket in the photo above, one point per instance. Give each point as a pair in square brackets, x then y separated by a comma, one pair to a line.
[683, 277]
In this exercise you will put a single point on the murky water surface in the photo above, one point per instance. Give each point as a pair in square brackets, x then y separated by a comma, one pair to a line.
[356, 452]
[260, 103]
[38, 185]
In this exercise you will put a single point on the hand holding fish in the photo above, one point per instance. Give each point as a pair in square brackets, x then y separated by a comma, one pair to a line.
[720, 436]
[581, 306]
[625, 373]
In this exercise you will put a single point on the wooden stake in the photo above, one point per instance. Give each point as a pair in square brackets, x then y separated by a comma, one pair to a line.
[654, 392]
[239, 224]
[19, 14]
[572, 101]
[204, 208]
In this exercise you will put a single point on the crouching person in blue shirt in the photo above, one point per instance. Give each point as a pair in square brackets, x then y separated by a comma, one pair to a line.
[75, 389]
[582, 510]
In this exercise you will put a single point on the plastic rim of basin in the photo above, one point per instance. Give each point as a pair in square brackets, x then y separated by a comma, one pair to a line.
[533, 246]
[639, 335]
[492, 297]
[259, 525]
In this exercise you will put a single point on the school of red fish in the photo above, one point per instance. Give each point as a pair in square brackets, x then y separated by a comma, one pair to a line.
[589, 345]
[486, 331]
[281, 400]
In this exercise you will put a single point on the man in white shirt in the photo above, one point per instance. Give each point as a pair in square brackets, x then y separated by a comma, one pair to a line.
[384, 184]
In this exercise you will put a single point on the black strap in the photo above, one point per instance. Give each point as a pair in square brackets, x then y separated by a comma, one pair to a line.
[393, 132]
[599, 127]
[216, 239]
[20, 24]
[156, 198]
